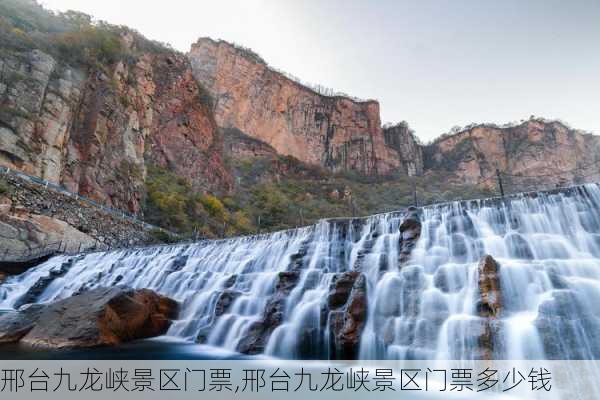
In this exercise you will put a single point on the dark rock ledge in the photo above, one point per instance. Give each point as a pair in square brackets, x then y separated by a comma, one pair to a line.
[99, 317]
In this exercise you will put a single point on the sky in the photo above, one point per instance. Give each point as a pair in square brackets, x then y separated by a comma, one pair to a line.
[434, 63]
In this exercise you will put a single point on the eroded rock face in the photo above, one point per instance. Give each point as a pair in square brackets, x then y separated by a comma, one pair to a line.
[401, 138]
[489, 306]
[535, 147]
[410, 232]
[347, 309]
[273, 314]
[101, 317]
[489, 287]
[95, 131]
[335, 132]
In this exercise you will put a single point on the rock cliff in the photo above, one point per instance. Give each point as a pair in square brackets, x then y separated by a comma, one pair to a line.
[534, 154]
[336, 132]
[115, 117]
[94, 130]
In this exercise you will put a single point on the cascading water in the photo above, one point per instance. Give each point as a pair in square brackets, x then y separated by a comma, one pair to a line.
[294, 294]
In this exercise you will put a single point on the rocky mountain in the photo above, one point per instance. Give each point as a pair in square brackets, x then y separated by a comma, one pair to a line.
[530, 155]
[95, 130]
[335, 132]
[217, 141]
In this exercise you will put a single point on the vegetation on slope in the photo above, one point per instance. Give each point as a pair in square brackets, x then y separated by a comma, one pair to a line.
[271, 192]
[267, 199]
[72, 37]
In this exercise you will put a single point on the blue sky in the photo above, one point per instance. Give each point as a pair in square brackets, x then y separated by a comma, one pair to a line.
[433, 63]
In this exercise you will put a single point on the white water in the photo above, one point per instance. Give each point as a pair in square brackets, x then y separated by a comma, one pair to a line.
[548, 248]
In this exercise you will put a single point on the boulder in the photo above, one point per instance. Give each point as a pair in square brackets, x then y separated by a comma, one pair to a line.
[16, 324]
[101, 317]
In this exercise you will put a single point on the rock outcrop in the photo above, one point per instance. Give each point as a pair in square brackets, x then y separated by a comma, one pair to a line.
[336, 132]
[95, 130]
[489, 305]
[347, 314]
[533, 155]
[258, 335]
[401, 138]
[99, 317]
[410, 232]
[35, 216]
[16, 324]
[106, 125]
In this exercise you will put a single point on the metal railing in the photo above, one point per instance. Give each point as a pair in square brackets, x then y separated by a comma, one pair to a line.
[120, 214]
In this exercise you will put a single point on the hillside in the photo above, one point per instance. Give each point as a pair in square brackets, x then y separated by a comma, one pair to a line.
[217, 143]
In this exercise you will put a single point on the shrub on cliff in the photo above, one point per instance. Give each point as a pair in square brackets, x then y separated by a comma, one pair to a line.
[214, 207]
[173, 203]
[5, 188]
[71, 37]
[90, 45]
[272, 204]
[167, 199]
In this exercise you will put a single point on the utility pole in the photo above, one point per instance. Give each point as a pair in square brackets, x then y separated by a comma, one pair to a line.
[414, 188]
[500, 182]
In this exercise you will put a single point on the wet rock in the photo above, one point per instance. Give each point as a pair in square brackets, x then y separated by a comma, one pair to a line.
[341, 288]
[410, 232]
[178, 263]
[230, 281]
[440, 279]
[459, 247]
[558, 282]
[461, 224]
[286, 281]
[518, 247]
[489, 305]
[100, 317]
[16, 324]
[42, 283]
[560, 323]
[474, 338]
[489, 287]
[225, 301]
[347, 315]
[259, 332]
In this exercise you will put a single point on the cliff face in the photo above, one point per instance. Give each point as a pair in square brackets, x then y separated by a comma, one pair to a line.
[402, 139]
[94, 130]
[531, 154]
[335, 132]
[96, 107]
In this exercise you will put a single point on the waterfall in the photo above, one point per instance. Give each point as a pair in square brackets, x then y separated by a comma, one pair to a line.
[301, 293]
